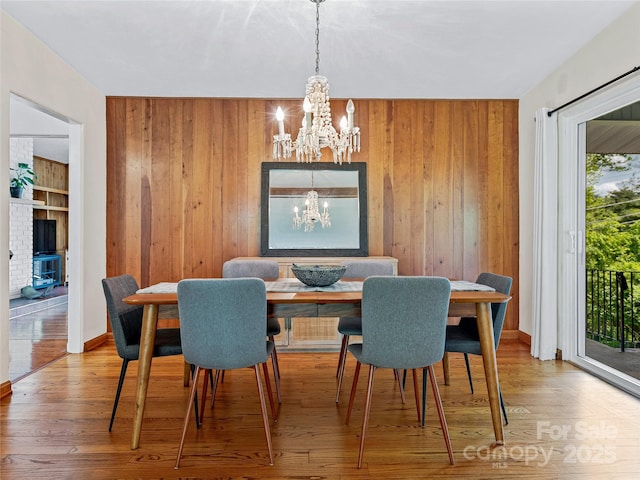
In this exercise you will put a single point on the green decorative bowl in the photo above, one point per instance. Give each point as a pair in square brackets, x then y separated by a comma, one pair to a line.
[318, 275]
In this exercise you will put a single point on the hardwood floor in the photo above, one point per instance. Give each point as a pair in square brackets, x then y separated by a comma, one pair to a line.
[564, 424]
[35, 339]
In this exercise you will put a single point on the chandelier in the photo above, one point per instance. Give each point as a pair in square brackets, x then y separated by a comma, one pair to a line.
[317, 131]
[311, 213]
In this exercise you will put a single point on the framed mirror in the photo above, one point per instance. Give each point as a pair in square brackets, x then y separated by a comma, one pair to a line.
[290, 226]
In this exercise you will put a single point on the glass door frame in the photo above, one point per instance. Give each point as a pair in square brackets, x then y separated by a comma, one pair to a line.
[571, 225]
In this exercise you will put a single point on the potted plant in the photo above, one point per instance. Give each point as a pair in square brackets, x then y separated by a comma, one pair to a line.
[20, 178]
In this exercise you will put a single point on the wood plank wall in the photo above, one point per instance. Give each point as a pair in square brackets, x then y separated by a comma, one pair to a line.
[183, 184]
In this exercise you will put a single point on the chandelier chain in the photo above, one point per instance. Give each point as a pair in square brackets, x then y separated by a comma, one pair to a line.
[317, 37]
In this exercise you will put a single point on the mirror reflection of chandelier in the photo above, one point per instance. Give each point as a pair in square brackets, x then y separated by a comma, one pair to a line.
[317, 131]
[311, 213]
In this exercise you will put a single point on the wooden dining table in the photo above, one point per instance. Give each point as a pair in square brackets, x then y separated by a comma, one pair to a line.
[323, 304]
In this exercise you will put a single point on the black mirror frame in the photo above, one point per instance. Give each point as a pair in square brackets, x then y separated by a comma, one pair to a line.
[363, 249]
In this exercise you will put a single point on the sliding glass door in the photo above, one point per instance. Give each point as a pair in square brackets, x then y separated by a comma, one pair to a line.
[612, 240]
[599, 234]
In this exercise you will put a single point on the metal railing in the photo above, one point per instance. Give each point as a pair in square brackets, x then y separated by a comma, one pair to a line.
[613, 308]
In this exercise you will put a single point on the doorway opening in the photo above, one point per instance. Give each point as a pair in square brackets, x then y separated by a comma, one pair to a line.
[38, 283]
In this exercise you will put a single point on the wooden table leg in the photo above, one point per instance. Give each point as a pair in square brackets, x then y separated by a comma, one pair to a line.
[487, 346]
[147, 340]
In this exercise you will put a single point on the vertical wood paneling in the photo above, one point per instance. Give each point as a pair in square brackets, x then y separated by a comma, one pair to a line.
[129, 186]
[511, 206]
[458, 174]
[470, 191]
[442, 188]
[496, 190]
[256, 140]
[428, 158]
[483, 186]
[417, 220]
[378, 156]
[203, 180]
[166, 119]
[401, 182]
[183, 181]
[230, 179]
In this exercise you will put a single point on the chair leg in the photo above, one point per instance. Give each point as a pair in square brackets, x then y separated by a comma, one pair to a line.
[504, 410]
[274, 360]
[123, 371]
[267, 382]
[205, 386]
[396, 373]
[276, 375]
[214, 388]
[192, 397]
[415, 391]
[466, 361]
[263, 408]
[424, 395]
[367, 410]
[445, 368]
[354, 387]
[443, 420]
[195, 399]
[341, 362]
[343, 353]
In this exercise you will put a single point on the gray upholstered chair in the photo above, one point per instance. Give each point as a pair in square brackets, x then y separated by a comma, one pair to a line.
[266, 270]
[126, 325]
[222, 328]
[403, 327]
[464, 338]
[352, 326]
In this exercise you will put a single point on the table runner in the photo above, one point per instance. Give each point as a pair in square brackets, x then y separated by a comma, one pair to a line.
[464, 286]
[162, 287]
[295, 285]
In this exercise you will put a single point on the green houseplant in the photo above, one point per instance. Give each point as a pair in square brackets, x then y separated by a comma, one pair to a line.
[20, 178]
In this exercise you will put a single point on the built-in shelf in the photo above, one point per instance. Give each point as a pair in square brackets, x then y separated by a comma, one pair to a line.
[27, 201]
[49, 207]
[47, 196]
[38, 188]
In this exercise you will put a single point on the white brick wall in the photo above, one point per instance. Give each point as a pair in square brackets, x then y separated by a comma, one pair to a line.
[21, 224]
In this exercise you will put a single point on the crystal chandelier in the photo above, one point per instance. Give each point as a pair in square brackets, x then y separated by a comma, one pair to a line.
[317, 131]
[311, 213]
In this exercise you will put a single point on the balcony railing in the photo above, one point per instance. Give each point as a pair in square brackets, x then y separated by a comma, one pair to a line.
[613, 308]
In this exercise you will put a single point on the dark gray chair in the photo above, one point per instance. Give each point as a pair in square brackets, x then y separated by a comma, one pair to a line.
[403, 327]
[464, 338]
[352, 326]
[222, 328]
[126, 325]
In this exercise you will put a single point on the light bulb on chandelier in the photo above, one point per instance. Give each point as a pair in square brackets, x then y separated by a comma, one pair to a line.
[317, 131]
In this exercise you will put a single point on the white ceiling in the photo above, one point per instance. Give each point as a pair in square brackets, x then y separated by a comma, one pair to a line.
[266, 48]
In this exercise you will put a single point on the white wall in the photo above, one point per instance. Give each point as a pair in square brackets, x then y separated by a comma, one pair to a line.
[613, 52]
[31, 70]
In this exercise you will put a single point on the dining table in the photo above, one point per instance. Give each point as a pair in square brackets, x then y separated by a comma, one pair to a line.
[286, 300]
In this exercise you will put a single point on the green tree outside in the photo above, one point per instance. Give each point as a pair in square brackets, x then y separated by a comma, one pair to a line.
[612, 248]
